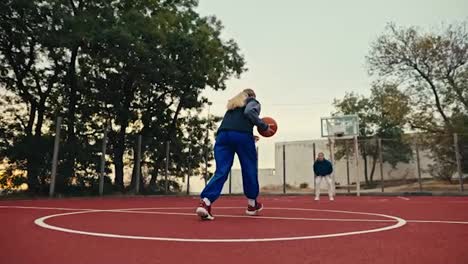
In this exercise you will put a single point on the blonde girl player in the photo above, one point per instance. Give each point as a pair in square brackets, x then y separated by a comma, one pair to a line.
[235, 136]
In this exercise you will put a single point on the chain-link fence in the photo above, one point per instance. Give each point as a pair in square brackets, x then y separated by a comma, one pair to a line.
[108, 162]
[414, 163]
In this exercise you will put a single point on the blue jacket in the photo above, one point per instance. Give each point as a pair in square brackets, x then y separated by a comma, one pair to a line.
[243, 119]
[323, 168]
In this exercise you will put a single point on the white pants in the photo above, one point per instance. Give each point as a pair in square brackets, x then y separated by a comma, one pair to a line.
[318, 181]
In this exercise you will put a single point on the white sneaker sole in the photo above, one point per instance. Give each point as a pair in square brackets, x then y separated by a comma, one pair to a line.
[253, 213]
[203, 214]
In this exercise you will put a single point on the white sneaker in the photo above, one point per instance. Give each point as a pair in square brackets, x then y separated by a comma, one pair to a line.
[204, 211]
[332, 199]
[317, 198]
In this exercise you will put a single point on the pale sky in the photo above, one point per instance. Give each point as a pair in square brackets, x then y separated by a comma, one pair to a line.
[301, 54]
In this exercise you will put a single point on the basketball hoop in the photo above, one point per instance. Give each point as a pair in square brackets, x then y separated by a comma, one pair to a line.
[339, 128]
[342, 127]
[339, 134]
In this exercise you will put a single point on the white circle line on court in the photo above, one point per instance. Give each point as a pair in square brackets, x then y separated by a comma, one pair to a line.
[129, 210]
[42, 223]
[404, 198]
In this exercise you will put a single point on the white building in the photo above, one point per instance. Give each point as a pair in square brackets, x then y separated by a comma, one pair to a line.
[299, 158]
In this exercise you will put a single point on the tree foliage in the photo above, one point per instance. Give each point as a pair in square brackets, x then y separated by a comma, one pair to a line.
[432, 68]
[381, 115]
[137, 66]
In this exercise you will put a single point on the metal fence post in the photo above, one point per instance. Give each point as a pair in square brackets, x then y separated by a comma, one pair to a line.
[188, 183]
[230, 182]
[284, 168]
[347, 167]
[103, 161]
[458, 157]
[205, 177]
[418, 164]
[55, 157]
[333, 162]
[381, 165]
[315, 155]
[356, 163]
[137, 164]
[166, 184]
[189, 171]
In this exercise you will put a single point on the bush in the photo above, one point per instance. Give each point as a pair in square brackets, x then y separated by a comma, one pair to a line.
[160, 186]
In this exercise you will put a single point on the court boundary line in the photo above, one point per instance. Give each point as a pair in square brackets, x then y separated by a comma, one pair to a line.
[132, 210]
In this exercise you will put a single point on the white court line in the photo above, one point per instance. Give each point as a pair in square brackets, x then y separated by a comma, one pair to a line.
[283, 218]
[403, 198]
[132, 210]
[260, 217]
[47, 208]
[138, 211]
[437, 222]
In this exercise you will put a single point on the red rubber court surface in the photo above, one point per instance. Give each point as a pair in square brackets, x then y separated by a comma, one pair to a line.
[292, 229]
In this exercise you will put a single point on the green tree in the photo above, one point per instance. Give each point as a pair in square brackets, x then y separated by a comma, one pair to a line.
[382, 115]
[152, 65]
[361, 106]
[432, 67]
[30, 70]
[188, 150]
[140, 65]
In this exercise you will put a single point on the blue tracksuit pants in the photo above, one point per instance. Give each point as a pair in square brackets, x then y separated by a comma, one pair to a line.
[227, 144]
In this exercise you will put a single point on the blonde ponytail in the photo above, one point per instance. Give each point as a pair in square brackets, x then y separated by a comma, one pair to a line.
[239, 99]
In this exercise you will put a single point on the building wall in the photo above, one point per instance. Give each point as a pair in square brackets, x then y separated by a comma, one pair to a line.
[299, 160]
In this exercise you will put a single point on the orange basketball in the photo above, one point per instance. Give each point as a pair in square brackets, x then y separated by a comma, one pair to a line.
[273, 125]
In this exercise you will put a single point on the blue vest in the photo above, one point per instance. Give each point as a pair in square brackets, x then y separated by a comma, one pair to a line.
[236, 120]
